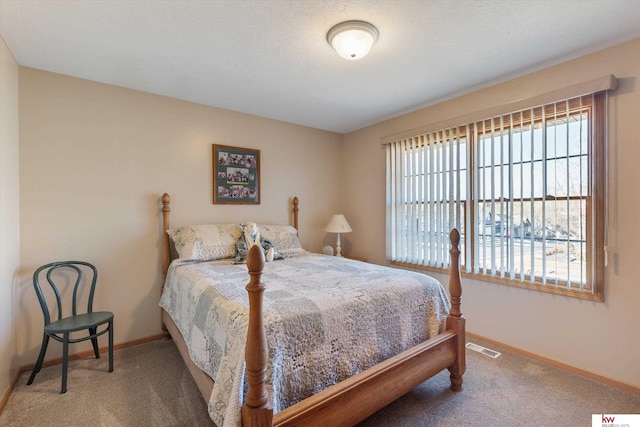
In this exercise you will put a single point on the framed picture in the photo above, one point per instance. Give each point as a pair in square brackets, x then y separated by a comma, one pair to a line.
[236, 175]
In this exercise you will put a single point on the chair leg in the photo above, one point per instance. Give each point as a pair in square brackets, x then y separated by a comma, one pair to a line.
[111, 346]
[94, 341]
[65, 361]
[38, 365]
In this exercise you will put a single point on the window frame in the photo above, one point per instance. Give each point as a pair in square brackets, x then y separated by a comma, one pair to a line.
[594, 105]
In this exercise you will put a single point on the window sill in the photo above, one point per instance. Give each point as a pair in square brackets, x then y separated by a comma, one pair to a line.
[585, 295]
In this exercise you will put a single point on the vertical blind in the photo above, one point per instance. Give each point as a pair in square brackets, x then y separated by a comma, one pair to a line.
[427, 185]
[518, 186]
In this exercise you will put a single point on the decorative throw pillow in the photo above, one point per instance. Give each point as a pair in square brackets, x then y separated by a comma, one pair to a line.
[206, 242]
[284, 239]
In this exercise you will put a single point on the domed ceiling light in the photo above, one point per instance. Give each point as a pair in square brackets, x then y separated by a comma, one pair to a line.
[352, 39]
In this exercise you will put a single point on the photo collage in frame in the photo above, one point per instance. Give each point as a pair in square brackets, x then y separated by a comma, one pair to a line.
[236, 175]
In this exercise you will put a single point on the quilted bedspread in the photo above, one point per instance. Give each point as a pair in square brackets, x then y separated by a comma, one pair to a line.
[326, 319]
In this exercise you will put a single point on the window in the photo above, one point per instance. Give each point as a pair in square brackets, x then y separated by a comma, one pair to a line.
[526, 190]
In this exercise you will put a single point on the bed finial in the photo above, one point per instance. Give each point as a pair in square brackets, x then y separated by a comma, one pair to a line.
[455, 237]
[257, 409]
[166, 199]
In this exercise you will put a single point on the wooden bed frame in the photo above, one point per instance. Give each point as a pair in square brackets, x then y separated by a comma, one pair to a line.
[354, 399]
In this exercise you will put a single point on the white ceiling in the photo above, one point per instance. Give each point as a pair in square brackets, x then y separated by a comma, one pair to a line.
[270, 58]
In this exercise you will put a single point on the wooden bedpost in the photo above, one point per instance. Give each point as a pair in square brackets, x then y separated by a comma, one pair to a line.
[295, 213]
[257, 409]
[455, 320]
[166, 247]
[166, 254]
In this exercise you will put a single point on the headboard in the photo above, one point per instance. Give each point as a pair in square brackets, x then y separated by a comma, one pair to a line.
[166, 245]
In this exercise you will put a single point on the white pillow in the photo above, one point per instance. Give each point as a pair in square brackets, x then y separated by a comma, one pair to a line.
[283, 237]
[206, 242]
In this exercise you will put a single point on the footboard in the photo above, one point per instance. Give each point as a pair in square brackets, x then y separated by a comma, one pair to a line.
[354, 399]
[358, 397]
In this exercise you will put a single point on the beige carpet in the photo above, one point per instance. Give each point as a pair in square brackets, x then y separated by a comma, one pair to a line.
[150, 386]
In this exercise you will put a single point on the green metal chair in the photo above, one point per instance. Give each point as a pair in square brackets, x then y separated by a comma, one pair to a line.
[84, 276]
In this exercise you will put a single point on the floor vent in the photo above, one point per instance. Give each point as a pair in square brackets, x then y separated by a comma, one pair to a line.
[483, 350]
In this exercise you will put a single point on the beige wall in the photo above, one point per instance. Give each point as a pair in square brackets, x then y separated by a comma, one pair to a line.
[94, 161]
[597, 337]
[9, 212]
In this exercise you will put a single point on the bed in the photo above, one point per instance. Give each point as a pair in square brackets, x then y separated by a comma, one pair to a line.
[355, 360]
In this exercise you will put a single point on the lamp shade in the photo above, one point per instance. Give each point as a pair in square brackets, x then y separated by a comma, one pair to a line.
[338, 224]
[352, 39]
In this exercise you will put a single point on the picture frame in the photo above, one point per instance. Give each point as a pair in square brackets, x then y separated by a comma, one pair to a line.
[236, 175]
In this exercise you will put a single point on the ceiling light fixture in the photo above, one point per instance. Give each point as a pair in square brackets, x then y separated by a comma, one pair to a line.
[352, 39]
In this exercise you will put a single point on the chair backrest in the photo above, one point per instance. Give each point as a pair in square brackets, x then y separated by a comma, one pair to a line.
[81, 273]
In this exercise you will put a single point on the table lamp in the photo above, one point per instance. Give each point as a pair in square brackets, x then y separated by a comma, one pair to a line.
[338, 224]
